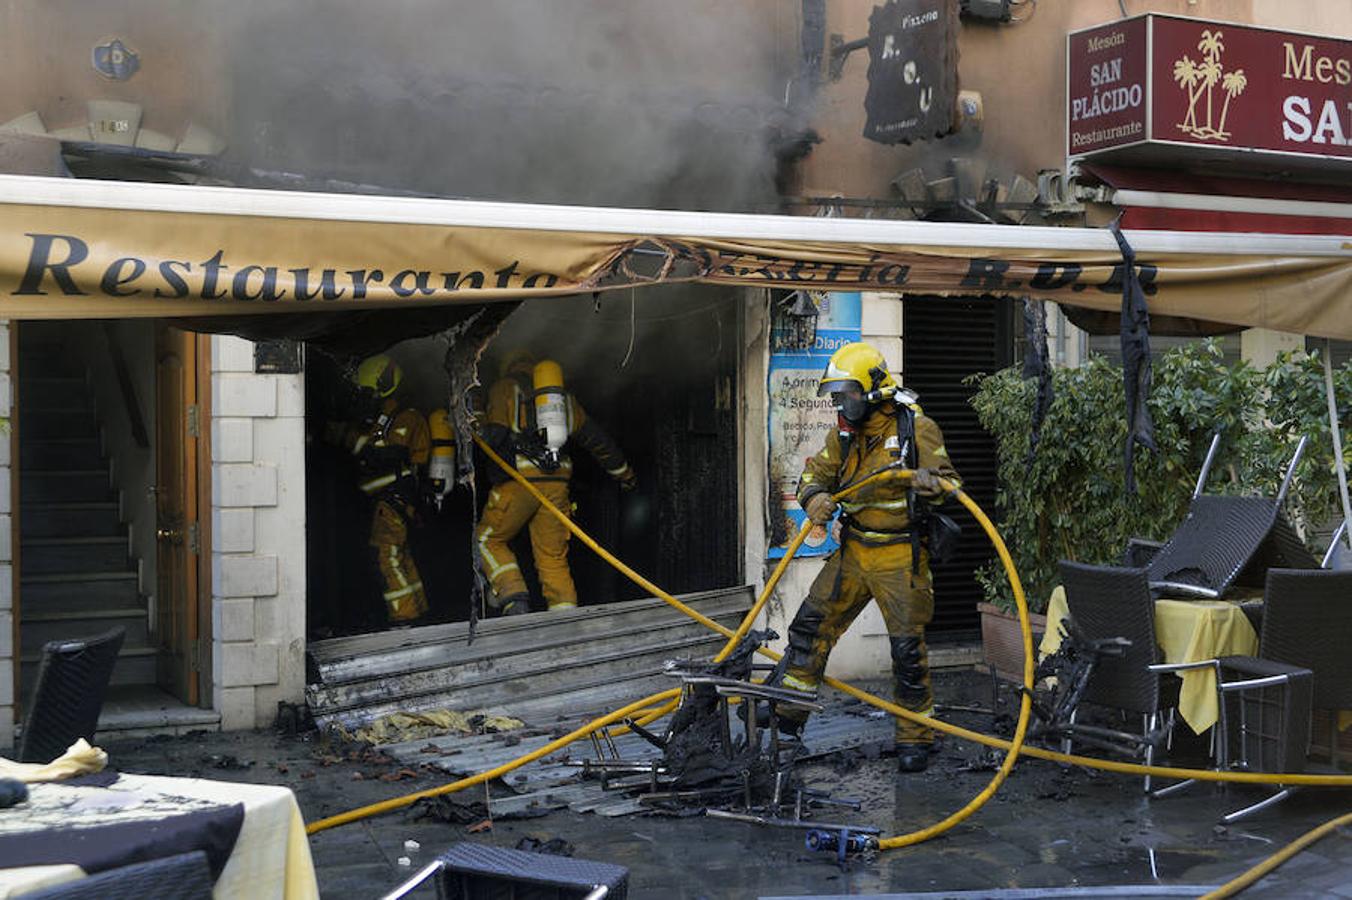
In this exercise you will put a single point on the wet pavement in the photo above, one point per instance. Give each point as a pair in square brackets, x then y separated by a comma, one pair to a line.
[1047, 827]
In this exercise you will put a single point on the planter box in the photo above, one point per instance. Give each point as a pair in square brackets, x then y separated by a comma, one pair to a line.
[1002, 642]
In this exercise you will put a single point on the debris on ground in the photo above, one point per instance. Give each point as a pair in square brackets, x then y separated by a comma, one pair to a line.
[445, 809]
[227, 762]
[985, 761]
[399, 775]
[396, 728]
[452, 812]
[552, 847]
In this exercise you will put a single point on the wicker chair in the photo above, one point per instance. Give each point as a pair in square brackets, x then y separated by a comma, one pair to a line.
[1302, 662]
[1338, 556]
[72, 679]
[183, 877]
[1307, 622]
[1140, 552]
[1112, 602]
[1225, 540]
[468, 871]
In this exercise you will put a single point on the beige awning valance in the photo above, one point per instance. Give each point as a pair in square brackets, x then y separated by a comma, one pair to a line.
[91, 249]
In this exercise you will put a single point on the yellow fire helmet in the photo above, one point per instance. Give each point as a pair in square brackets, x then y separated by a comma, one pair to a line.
[520, 361]
[857, 363]
[379, 374]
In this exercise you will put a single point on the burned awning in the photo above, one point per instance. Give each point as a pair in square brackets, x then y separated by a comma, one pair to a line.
[84, 249]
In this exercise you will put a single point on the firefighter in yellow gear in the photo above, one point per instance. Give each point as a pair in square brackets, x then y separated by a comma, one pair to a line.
[531, 418]
[392, 444]
[882, 556]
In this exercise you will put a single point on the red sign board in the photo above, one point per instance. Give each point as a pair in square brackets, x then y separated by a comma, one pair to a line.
[1107, 69]
[1164, 81]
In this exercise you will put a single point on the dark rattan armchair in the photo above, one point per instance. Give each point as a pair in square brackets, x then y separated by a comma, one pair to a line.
[72, 679]
[1223, 541]
[1226, 540]
[1265, 701]
[1109, 602]
[468, 871]
[1307, 622]
[183, 877]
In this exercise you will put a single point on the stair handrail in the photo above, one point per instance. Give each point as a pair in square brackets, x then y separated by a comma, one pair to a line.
[127, 389]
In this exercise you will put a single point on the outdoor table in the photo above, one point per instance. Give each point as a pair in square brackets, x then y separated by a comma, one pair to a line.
[1187, 631]
[270, 857]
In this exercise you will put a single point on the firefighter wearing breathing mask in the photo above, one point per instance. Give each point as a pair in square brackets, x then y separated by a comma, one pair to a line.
[392, 444]
[880, 557]
[531, 418]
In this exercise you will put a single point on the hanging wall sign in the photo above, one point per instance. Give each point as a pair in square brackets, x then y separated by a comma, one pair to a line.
[1164, 88]
[799, 420]
[912, 71]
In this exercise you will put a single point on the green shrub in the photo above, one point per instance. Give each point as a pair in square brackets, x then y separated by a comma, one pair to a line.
[1070, 502]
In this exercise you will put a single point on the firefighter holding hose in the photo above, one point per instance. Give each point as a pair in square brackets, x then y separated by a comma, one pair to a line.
[887, 529]
[531, 420]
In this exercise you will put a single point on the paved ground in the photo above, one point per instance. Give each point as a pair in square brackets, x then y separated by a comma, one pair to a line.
[1047, 827]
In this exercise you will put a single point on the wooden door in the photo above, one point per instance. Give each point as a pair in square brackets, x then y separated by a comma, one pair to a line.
[177, 531]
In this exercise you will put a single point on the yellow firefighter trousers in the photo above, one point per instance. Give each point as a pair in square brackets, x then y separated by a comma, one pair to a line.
[853, 575]
[405, 599]
[510, 508]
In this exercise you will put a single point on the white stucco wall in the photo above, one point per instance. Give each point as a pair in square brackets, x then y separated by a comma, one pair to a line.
[6, 554]
[257, 536]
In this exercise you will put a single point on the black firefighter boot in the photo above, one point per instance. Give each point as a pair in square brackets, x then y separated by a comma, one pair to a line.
[515, 605]
[912, 757]
[790, 727]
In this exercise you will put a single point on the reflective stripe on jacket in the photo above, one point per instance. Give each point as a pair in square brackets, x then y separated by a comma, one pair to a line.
[880, 507]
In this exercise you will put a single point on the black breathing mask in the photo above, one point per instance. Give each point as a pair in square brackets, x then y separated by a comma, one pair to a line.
[853, 407]
[366, 405]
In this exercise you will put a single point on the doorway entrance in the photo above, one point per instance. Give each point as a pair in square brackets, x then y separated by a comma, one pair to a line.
[112, 479]
[657, 369]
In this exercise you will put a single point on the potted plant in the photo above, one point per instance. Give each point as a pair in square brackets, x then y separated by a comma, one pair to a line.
[1066, 497]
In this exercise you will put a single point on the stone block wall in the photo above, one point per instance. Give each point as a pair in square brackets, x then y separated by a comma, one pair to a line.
[257, 536]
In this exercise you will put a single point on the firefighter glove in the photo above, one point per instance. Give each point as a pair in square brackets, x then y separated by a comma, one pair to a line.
[388, 457]
[820, 508]
[926, 482]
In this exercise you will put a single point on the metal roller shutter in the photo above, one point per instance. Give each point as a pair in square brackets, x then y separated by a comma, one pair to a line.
[946, 340]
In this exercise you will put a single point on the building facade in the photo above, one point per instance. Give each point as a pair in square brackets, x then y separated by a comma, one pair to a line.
[761, 108]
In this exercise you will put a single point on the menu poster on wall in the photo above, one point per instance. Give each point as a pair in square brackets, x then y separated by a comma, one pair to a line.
[799, 421]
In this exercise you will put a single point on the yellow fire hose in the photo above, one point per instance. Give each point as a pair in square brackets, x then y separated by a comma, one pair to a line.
[666, 701]
[1249, 878]
[733, 638]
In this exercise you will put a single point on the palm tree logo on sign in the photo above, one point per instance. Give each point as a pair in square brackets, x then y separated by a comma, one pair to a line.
[1202, 78]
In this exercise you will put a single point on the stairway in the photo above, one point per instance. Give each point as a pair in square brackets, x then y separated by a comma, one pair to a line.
[77, 577]
[535, 667]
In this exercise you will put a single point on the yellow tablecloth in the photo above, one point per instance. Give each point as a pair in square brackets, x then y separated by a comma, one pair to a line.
[1187, 631]
[270, 859]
